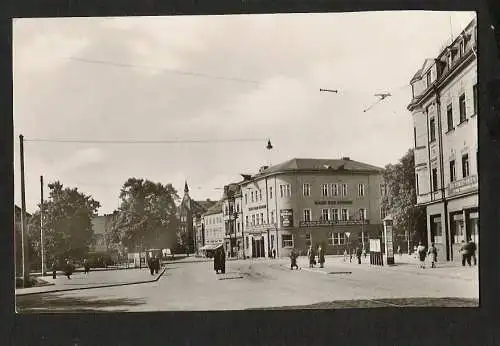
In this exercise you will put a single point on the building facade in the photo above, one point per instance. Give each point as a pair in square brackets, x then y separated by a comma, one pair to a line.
[233, 223]
[444, 110]
[303, 202]
[213, 225]
[189, 213]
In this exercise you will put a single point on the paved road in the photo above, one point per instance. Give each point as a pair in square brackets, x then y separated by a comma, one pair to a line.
[261, 283]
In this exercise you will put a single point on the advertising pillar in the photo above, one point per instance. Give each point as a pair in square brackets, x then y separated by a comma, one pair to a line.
[389, 245]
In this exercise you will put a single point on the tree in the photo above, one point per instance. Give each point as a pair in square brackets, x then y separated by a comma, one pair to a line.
[67, 218]
[146, 217]
[401, 199]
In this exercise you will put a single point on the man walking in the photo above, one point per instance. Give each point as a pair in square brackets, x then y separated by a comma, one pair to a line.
[321, 257]
[466, 254]
[311, 256]
[472, 250]
[358, 254]
[421, 254]
[293, 260]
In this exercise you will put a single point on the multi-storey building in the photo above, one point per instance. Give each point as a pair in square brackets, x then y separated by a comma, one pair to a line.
[444, 109]
[213, 225]
[189, 212]
[101, 225]
[302, 202]
[233, 223]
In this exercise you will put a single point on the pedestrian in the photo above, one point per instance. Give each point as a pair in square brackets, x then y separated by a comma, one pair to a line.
[321, 257]
[364, 252]
[274, 253]
[86, 267]
[293, 260]
[345, 255]
[400, 252]
[151, 265]
[68, 269]
[433, 255]
[421, 254]
[350, 255]
[358, 254]
[216, 261]
[311, 257]
[54, 269]
[465, 250]
[415, 251]
[472, 250]
[222, 261]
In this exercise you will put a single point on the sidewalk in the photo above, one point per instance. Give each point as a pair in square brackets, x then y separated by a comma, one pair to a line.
[95, 279]
[405, 264]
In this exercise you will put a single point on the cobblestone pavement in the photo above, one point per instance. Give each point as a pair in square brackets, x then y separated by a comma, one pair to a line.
[267, 283]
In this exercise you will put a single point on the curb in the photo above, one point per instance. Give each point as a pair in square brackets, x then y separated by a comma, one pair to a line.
[94, 287]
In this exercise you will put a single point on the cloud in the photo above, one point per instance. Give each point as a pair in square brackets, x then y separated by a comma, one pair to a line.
[80, 159]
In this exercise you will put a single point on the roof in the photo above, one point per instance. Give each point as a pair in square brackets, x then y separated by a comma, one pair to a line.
[206, 204]
[232, 189]
[215, 209]
[297, 165]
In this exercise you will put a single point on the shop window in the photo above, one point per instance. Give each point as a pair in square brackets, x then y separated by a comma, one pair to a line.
[287, 240]
[436, 230]
[457, 228]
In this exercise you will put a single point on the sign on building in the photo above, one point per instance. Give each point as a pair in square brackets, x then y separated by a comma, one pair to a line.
[286, 216]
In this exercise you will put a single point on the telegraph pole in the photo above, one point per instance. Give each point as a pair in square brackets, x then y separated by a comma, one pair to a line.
[42, 247]
[24, 237]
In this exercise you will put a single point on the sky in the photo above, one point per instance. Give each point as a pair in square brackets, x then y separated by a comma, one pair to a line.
[209, 78]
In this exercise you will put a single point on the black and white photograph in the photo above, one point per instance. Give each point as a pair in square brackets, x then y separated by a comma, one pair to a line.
[246, 162]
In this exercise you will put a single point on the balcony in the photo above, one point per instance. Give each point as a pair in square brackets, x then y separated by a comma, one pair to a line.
[467, 184]
[332, 223]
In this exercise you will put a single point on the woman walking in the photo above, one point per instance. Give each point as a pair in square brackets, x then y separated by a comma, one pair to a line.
[433, 255]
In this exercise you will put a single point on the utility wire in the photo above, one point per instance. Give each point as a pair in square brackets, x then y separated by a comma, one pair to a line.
[63, 140]
[186, 73]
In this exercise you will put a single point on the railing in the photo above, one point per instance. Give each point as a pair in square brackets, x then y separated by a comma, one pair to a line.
[332, 222]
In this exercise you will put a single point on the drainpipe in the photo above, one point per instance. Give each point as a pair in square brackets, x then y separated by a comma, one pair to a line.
[277, 217]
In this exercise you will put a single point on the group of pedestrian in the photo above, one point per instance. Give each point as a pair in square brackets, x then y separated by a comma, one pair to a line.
[69, 268]
[468, 251]
[311, 255]
[358, 252]
[154, 264]
[422, 254]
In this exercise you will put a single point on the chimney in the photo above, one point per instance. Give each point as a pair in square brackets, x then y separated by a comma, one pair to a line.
[346, 158]
[263, 168]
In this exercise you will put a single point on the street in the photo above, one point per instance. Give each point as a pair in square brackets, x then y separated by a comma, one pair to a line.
[269, 283]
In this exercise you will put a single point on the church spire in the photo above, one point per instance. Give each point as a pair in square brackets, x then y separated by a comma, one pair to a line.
[186, 189]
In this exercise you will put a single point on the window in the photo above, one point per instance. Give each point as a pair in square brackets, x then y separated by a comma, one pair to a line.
[382, 189]
[285, 190]
[325, 216]
[253, 220]
[434, 179]
[306, 188]
[415, 136]
[251, 197]
[428, 79]
[344, 190]
[246, 198]
[308, 239]
[324, 190]
[383, 214]
[449, 117]
[345, 214]
[432, 125]
[261, 218]
[335, 190]
[338, 238]
[461, 102]
[246, 241]
[260, 194]
[465, 165]
[307, 215]
[453, 176]
[330, 238]
[238, 227]
[287, 240]
[361, 190]
[270, 192]
[272, 216]
[363, 213]
[238, 208]
[335, 214]
[474, 96]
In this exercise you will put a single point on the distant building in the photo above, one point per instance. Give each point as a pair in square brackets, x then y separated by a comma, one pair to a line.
[101, 225]
[189, 213]
[302, 202]
[233, 221]
[444, 109]
[213, 226]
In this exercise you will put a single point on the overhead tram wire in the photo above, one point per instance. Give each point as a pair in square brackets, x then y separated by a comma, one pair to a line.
[179, 72]
[93, 141]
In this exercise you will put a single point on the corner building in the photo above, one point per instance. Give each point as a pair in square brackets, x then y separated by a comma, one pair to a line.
[302, 202]
[444, 109]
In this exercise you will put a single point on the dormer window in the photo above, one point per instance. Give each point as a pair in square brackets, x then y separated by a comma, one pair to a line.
[462, 47]
[428, 79]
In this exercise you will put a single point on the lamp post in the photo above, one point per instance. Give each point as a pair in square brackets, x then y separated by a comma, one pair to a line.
[362, 212]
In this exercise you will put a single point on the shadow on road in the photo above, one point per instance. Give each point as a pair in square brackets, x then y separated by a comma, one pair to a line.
[55, 303]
